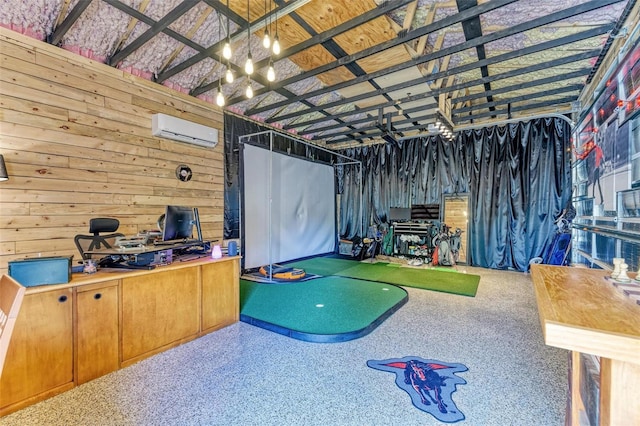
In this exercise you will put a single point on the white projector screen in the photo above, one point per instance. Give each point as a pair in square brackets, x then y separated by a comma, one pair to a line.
[302, 218]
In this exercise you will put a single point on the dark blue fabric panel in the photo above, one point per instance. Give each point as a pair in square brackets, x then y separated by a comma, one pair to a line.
[518, 176]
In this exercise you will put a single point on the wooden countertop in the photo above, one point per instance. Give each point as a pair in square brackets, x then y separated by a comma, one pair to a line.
[581, 311]
[80, 279]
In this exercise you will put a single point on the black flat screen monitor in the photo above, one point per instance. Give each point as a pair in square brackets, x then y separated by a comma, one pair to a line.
[178, 223]
[399, 214]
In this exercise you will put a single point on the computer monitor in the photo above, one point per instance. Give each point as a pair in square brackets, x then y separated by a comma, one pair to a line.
[178, 223]
[196, 216]
[399, 214]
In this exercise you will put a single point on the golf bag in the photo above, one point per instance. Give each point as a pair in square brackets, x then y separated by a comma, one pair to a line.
[455, 243]
[442, 254]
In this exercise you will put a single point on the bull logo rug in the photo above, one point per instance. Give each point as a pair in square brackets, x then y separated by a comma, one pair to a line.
[430, 384]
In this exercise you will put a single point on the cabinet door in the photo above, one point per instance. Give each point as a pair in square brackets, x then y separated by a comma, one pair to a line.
[159, 309]
[40, 355]
[220, 294]
[97, 331]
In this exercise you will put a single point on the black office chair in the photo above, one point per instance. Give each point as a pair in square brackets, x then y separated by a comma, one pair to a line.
[98, 241]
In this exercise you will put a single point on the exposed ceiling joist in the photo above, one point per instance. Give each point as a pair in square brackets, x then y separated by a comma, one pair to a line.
[351, 72]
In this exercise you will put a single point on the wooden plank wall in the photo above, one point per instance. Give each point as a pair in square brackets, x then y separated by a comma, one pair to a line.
[76, 138]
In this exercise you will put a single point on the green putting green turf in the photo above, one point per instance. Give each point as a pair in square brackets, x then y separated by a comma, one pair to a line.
[435, 279]
[323, 265]
[323, 309]
[366, 271]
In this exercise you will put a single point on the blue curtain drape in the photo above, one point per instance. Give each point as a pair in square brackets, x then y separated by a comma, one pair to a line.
[416, 171]
[518, 176]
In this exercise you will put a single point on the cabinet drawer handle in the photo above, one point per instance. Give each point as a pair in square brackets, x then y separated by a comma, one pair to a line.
[62, 299]
[97, 296]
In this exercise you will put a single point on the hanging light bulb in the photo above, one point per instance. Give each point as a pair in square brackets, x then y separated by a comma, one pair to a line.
[249, 92]
[248, 66]
[226, 50]
[266, 40]
[229, 75]
[276, 39]
[271, 72]
[220, 98]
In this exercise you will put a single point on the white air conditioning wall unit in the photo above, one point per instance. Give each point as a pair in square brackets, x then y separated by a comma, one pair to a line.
[174, 128]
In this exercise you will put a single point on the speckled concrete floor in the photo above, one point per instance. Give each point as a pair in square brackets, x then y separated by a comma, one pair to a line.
[243, 375]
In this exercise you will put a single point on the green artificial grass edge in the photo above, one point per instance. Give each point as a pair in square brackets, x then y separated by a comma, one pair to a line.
[436, 279]
[325, 305]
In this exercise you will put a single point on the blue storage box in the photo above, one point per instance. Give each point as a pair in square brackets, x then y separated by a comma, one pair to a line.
[36, 271]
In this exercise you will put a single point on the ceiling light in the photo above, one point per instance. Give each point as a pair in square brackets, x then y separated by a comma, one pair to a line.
[226, 50]
[229, 75]
[276, 39]
[248, 66]
[271, 72]
[249, 91]
[220, 96]
[266, 40]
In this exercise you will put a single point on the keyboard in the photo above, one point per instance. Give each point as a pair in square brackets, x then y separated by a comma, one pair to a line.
[187, 257]
[174, 242]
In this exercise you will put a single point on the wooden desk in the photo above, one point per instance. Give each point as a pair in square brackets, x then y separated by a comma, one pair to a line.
[582, 312]
[68, 334]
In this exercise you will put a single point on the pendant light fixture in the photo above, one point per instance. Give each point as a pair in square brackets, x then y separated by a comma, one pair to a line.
[266, 40]
[249, 92]
[220, 96]
[271, 72]
[226, 50]
[248, 66]
[276, 40]
[229, 75]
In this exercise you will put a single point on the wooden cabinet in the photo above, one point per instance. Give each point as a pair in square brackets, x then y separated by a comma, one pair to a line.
[39, 360]
[68, 334]
[220, 295]
[97, 344]
[158, 309]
